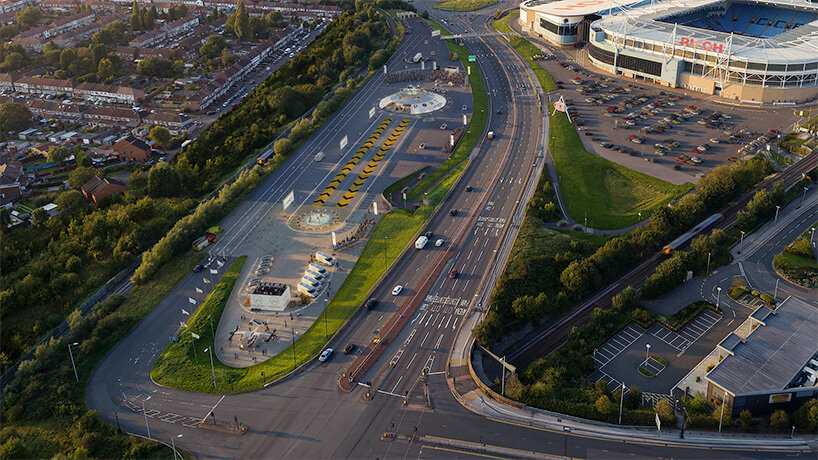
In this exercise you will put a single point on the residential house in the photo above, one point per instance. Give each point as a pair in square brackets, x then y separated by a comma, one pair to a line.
[111, 116]
[98, 188]
[131, 148]
[13, 181]
[175, 122]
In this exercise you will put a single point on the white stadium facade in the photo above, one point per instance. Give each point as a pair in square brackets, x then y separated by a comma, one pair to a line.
[753, 51]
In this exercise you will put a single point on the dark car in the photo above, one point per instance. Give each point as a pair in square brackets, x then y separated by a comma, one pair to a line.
[499, 112]
[428, 235]
[198, 268]
[371, 303]
[453, 273]
[349, 348]
[453, 212]
[468, 188]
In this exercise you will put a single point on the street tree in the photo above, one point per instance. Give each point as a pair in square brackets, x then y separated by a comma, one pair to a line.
[105, 68]
[57, 153]
[14, 117]
[163, 181]
[80, 158]
[282, 147]
[29, 17]
[79, 176]
[160, 135]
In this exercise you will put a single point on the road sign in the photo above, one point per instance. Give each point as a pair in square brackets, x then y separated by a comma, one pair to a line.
[658, 422]
[344, 142]
[435, 33]
[288, 200]
[472, 58]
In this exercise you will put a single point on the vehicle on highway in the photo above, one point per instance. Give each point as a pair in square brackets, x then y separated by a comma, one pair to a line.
[397, 290]
[349, 348]
[439, 242]
[443, 127]
[499, 112]
[325, 355]
[453, 273]
[371, 303]
[453, 212]
[428, 235]
[319, 156]
[420, 243]
[198, 268]
[422, 146]
[469, 188]
[490, 135]
[465, 108]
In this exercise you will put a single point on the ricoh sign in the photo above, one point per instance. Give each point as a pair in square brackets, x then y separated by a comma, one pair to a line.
[701, 44]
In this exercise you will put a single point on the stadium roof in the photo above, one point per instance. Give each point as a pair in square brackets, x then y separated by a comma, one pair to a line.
[572, 8]
[773, 354]
[793, 46]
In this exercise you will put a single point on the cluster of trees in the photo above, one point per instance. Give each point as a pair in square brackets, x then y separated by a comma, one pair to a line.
[582, 276]
[50, 264]
[26, 19]
[244, 27]
[153, 66]
[176, 12]
[94, 62]
[115, 33]
[14, 117]
[301, 83]
[216, 54]
[673, 272]
[143, 19]
[12, 57]
[44, 389]
[702, 414]
[542, 204]
[760, 208]
[801, 247]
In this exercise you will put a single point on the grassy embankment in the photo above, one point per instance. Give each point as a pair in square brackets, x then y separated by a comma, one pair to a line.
[463, 5]
[609, 194]
[526, 50]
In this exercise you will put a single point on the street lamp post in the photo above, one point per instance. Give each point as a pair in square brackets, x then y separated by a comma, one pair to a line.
[293, 331]
[708, 264]
[326, 331]
[621, 401]
[647, 354]
[741, 242]
[385, 245]
[804, 196]
[212, 369]
[775, 294]
[718, 295]
[173, 445]
[723, 402]
[777, 208]
[71, 354]
[145, 413]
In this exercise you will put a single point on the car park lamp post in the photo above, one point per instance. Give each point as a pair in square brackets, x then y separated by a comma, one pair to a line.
[775, 294]
[71, 354]
[776, 212]
[145, 413]
[621, 401]
[741, 242]
[718, 295]
[647, 354]
[173, 446]
[212, 369]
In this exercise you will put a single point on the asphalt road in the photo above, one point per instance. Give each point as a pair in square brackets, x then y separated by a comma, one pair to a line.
[308, 416]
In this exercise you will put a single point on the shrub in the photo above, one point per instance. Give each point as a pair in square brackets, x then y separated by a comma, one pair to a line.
[779, 420]
[806, 417]
[665, 411]
[746, 419]
[604, 405]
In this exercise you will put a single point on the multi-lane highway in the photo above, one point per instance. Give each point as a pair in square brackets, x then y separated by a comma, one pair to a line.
[309, 415]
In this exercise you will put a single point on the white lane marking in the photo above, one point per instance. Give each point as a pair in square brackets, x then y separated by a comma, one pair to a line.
[411, 360]
[396, 384]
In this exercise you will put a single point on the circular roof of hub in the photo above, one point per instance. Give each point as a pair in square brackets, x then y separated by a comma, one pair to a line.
[413, 100]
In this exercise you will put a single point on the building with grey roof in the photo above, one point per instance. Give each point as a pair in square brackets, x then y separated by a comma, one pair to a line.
[775, 366]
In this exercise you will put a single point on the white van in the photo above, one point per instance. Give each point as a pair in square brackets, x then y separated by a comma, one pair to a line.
[420, 243]
[317, 268]
[319, 156]
[306, 289]
[314, 275]
[310, 282]
[325, 258]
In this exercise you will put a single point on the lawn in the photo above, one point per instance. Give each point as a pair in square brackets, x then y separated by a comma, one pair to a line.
[474, 129]
[526, 50]
[176, 367]
[610, 195]
[463, 5]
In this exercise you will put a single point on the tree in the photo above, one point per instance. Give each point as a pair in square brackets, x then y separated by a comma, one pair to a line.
[160, 135]
[779, 420]
[604, 405]
[626, 299]
[12, 61]
[664, 409]
[105, 68]
[136, 21]
[29, 17]
[138, 180]
[286, 100]
[425, 14]
[69, 201]
[79, 176]
[283, 147]
[67, 57]
[14, 117]
[378, 59]
[5, 218]
[213, 46]
[806, 417]
[80, 158]
[154, 67]
[239, 21]
[163, 181]
[228, 58]
[57, 153]
[39, 216]
[9, 30]
[746, 419]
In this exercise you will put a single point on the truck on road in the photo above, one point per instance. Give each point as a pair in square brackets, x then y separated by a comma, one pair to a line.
[420, 243]
[204, 241]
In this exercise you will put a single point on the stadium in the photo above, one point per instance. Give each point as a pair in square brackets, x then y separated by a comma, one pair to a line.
[752, 51]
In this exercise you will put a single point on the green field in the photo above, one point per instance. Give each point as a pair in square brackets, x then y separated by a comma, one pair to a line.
[608, 194]
[526, 50]
[473, 130]
[463, 5]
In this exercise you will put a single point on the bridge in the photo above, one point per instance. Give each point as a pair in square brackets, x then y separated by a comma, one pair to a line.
[476, 34]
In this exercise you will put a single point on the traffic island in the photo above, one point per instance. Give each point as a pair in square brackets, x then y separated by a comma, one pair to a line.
[653, 366]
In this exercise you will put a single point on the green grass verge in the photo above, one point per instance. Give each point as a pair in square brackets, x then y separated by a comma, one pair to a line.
[463, 5]
[795, 261]
[645, 372]
[659, 360]
[473, 131]
[526, 50]
[400, 183]
[609, 194]
[684, 316]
